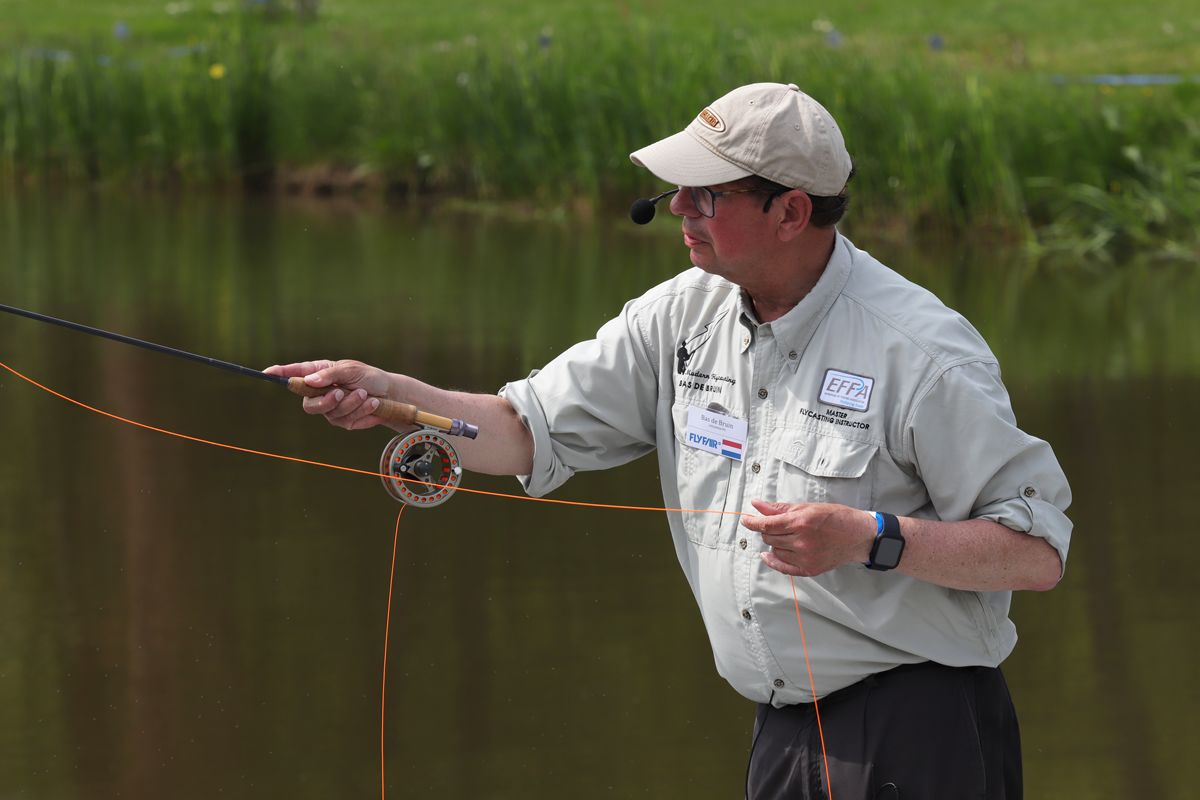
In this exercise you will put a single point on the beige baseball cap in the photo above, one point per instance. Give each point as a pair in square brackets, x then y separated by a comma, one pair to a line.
[769, 129]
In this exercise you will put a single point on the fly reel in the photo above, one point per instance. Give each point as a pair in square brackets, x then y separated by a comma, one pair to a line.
[421, 468]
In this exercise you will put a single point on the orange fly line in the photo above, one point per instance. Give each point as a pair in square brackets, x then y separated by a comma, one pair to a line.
[396, 539]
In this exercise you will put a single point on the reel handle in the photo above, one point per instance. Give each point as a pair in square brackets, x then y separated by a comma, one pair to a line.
[395, 412]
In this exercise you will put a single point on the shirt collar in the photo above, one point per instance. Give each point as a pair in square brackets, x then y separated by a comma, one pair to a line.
[794, 330]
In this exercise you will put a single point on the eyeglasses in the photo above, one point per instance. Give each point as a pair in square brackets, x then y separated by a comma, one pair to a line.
[705, 199]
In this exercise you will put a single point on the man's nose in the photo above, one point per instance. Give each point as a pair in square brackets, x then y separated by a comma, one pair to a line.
[682, 204]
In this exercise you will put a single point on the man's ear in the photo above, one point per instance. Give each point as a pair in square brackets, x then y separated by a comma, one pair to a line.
[796, 206]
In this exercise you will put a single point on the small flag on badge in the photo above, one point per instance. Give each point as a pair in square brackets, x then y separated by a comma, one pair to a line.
[731, 449]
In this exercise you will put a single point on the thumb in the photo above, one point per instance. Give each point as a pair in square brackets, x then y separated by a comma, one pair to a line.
[325, 373]
[768, 508]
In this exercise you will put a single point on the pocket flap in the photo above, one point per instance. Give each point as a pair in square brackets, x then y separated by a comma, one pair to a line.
[831, 457]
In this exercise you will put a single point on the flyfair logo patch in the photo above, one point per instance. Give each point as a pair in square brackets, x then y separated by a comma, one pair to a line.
[846, 390]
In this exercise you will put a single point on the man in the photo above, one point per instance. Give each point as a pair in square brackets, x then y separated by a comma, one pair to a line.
[859, 425]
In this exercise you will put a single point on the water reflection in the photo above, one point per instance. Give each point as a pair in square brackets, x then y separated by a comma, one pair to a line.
[182, 621]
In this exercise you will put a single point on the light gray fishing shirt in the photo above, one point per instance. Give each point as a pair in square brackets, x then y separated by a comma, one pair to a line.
[871, 393]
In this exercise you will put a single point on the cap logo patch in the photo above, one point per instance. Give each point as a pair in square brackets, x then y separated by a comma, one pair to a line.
[709, 118]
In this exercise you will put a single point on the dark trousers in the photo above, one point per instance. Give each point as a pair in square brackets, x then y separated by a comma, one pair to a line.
[917, 732]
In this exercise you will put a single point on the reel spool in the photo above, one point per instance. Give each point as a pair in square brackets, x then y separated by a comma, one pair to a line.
[422, 468]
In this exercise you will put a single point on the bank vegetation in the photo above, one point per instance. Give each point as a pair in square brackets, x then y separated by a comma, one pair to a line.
[1066, 166]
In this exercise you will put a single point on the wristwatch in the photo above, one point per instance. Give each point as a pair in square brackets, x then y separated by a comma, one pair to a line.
[889, 543]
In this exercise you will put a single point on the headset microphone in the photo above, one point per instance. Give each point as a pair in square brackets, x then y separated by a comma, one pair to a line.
[642, 210]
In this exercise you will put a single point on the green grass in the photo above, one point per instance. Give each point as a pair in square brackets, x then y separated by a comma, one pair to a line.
[537, 104]
[1060, 36]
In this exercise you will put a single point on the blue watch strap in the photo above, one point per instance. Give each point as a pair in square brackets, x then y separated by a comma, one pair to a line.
[878, 533]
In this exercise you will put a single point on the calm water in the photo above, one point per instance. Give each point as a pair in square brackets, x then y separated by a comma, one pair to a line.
[181, 621]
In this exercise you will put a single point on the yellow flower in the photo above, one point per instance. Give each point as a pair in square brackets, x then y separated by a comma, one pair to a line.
[216, 71]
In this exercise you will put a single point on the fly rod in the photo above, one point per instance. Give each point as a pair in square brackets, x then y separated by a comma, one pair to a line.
[389, 410]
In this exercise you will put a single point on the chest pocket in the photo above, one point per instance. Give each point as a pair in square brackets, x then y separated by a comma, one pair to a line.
[827, 469]
[703, 484]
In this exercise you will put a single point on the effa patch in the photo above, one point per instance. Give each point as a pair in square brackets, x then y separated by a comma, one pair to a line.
[846, 390]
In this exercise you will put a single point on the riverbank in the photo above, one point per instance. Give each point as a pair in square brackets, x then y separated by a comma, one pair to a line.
[1092, 171]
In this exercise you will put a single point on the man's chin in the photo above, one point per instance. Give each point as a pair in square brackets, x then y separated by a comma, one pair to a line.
[708, 267]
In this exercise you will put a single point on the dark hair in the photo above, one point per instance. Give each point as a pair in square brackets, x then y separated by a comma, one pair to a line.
[827, 211]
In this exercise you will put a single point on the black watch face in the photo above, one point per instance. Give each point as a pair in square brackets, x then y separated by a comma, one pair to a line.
[887, 554]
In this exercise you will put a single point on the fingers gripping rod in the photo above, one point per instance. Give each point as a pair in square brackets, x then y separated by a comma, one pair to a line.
[395, 412]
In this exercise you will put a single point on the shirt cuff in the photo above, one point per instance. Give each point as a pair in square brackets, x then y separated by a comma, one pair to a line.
[1029, 513]
[549, 472]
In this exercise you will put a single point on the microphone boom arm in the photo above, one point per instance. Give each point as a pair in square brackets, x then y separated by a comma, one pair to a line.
[643, 209]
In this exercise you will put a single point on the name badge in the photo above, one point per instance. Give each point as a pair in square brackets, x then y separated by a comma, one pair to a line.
[716, 433]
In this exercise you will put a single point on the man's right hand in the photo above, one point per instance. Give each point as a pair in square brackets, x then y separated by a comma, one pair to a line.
[504, 445]
[357, 389]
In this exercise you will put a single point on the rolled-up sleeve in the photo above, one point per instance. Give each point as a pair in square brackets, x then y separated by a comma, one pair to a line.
[592, 407]
[977, 464]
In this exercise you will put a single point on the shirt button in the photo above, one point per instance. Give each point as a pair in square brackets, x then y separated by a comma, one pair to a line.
[778, 683]
[746, 614]
[762, 393]
[792, 355]
[742, 543]
[756, 467]
[1030, 491]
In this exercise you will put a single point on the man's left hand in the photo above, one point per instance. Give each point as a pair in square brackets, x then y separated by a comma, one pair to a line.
[808, 539]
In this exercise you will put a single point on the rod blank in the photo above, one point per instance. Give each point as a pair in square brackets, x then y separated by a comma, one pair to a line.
[389, 410]
[158, 348]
